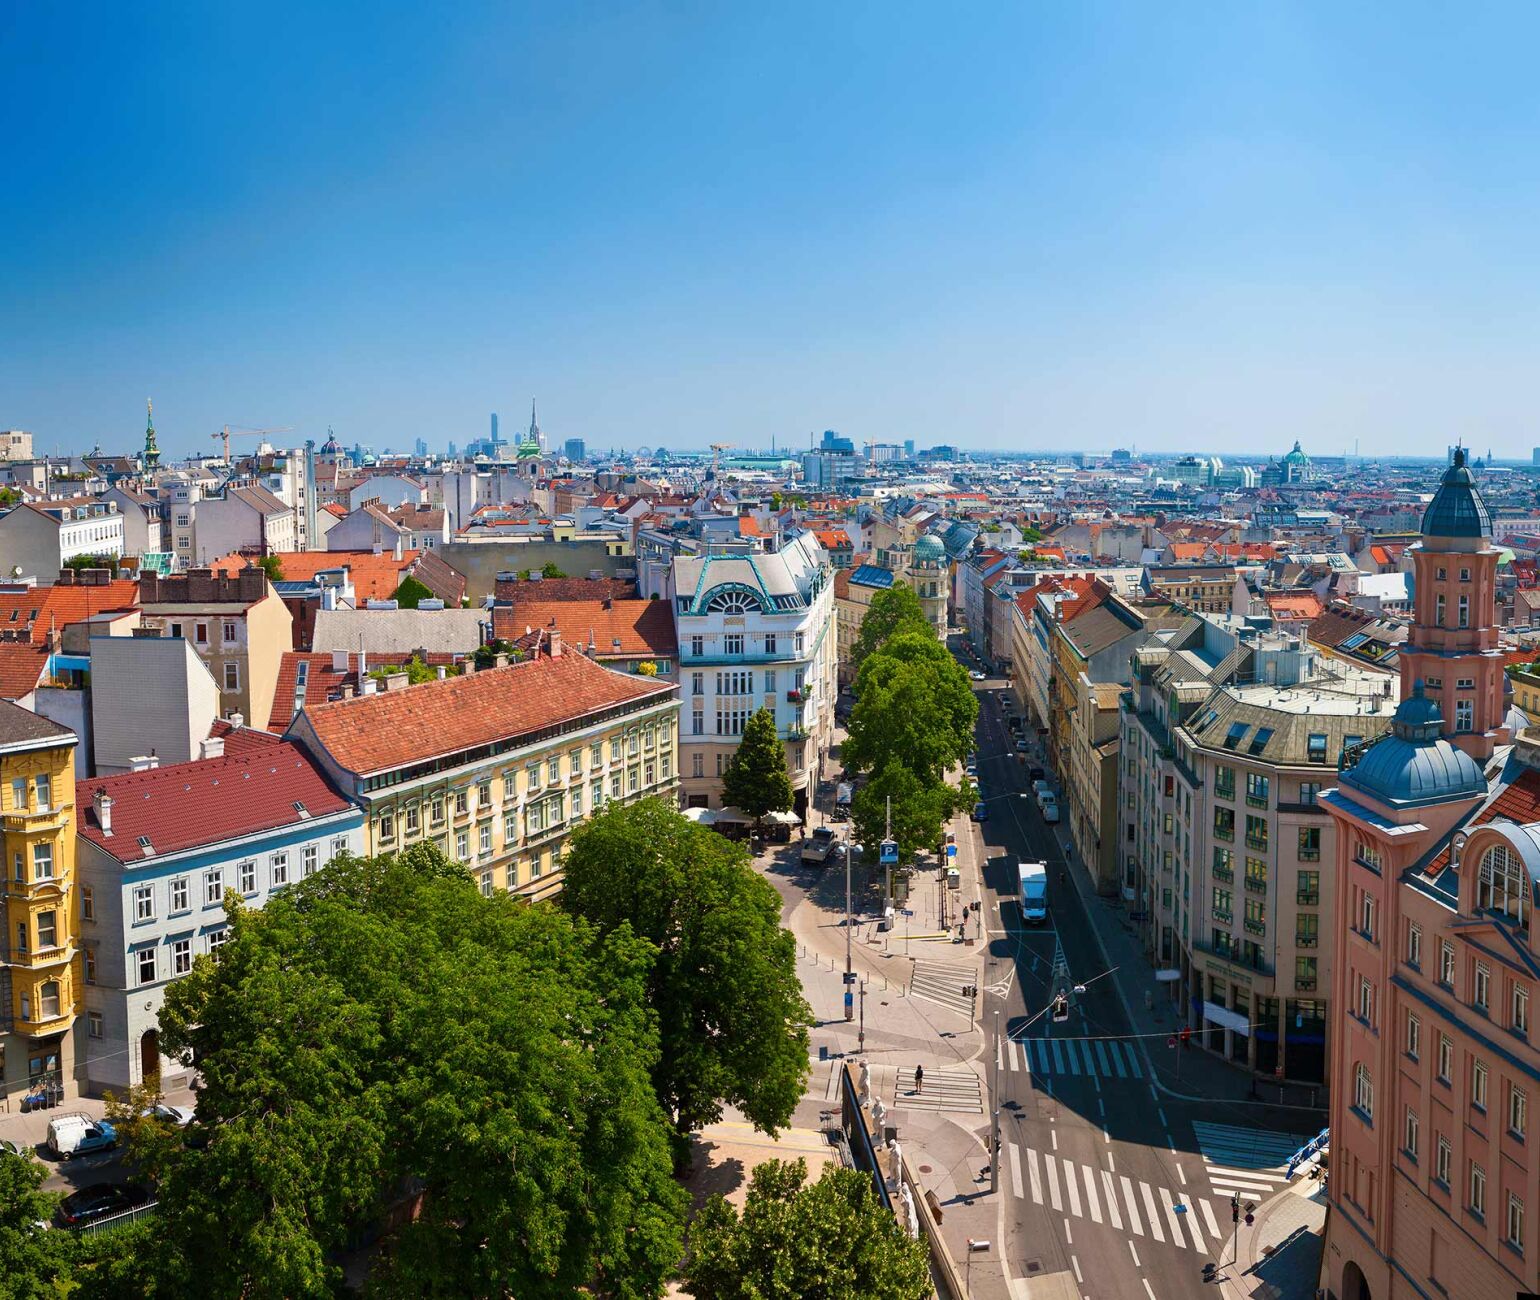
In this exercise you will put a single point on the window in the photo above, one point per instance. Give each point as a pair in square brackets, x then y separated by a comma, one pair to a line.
[1256, 875]
[615, 749]
[339, 845]
[1519, 1012]
[387, 827]
[1464, 611]
[44, 795]
[769, 643]
[1515, 1225]
[144, 903]
[181, 956]
[1222, 904]
[596, 793]
[462, 802]
[698, 724]
[1366, 912]
[213, 886]
[1315, 747]
[217, 940]
[1305, 974]
[574, 762]
[596, 753]
[1464, 715]
[1256, 915]
[246, 873]
[94, 1023]
[147, 965]
[411, 820]
[48, 1000]
[577, 800]
[486, 884]
[1446, 963]
[201, 633]
[1413, 1035]
[1409, 1136]
[278, 866]
[87, 903]
[1224, 864]
[1478, 1084]
[436, 809]
[1368, 854]
[553, 768]
[1307, 930]
[697, 646]
[532, 777]
[1438, 609]
[1363, 1092]
[1445, 1059]
[732, 643]
[1414, 944]
[1257, 786]
[1224, 782]
[484, 840]
[1502, 883]
[1309, 792]
[229, 631]
[176, 629]
[19, 794]
[1256, 832]
[1224, 824]
[42, 862]
[1365, 1001]
[615, 782]
[91, 964]
[47, 930]
[1518, 1111]
[1478, 1188]
[462, 845]
[697, 684]
[1441, 1162]
[1483, 993]
[1309, 844]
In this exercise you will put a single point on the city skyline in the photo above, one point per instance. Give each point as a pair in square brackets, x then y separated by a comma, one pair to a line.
[1078, 228]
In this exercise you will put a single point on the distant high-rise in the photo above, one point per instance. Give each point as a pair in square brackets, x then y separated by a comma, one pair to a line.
[577, 453]
[494, 428]
[1536, 456]
[908, 448]
[420, 448]
[453, 452]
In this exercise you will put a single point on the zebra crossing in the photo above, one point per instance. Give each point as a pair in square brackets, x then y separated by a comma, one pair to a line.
[1245, 1162]
[1129, 1205]
[954, 1090]
[943, 982]
[1107, 1058]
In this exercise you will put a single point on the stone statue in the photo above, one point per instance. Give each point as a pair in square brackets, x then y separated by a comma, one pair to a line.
[864, 1086]
[895, 1165]
[879, 1113]
[910, 1216]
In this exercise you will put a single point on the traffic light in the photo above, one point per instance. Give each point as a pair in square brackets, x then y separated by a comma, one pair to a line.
[1060, 1009]
[1186, 1034]
[1235, 1209]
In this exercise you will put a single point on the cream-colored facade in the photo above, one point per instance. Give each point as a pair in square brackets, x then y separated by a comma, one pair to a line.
[1090, 777]
[40, 962]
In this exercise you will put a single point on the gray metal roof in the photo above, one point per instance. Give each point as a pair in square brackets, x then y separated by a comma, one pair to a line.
[1457, 509]
[1415, 765]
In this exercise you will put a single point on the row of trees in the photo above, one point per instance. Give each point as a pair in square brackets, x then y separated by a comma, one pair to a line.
[911, 726]
[510, 1086]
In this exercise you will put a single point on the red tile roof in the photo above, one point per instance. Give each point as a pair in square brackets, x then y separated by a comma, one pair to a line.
[543, 589]
[323, 682]
[375, 577]
[643, 626]
[374, 733]
[48, 609]
[253, 788]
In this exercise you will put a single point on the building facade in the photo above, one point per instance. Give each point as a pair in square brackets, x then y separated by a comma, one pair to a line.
[40, 965]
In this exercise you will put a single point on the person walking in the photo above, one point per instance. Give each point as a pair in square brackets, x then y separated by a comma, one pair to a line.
[919, 1081]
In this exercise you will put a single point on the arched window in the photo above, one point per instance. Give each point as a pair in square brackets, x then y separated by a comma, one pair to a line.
[731, 602]
[1502, 885]
[48, 1000]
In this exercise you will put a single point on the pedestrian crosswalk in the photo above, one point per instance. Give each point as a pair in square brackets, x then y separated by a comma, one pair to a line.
[1129, 1205]
[940, 1089]
[1245, 1162]
[1108, 1058]
[943, 982]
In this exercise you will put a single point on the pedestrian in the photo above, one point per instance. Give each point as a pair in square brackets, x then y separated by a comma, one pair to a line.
[919, 1081]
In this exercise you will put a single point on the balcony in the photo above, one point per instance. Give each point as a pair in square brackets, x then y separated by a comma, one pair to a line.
[37, 958]
[1257, 842]
[1256, 886]
[1304, 986]
[794, 697]
[1222, 914]
[43, 1025]
[1256, 801]
[35, 821]
[1307, 940]
[1310, 855]
[1255, 927]
[1226, 874]
[1308, 898]
[1224, 792]
[1225, 833]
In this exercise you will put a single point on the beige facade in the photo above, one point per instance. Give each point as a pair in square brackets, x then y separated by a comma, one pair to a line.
[1090, 778]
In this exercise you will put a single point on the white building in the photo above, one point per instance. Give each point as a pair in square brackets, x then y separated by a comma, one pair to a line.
[36, 541]
[756, 630]
[158, 850]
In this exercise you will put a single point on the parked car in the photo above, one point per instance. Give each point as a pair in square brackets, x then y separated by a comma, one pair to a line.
[11, 1149]
[77, 1135]
[178, 1116]
[1021, 746]
[981, 811]
[1040, 787]
[976, 675]
[1050, 807]
[100, 1201]
[1036, 774]
[819, 847]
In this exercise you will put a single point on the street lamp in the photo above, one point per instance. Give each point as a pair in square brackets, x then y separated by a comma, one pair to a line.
[850, 977]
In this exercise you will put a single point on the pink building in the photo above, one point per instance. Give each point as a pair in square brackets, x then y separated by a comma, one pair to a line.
[1433, 1191]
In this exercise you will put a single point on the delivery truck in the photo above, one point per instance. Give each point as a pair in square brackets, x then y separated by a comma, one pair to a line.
[1034, 892]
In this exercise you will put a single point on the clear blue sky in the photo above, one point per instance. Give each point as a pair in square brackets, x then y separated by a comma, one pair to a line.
[1037, 225]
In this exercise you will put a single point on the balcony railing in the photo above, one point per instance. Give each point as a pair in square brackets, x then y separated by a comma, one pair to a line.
[1256, 886]
[1226, 874]
[1224, 792]
[1256, 801]
[1255, 927]
[1310, 855]
[1306, 940]
[1256, 842]
[1308, 898]
[1226, 833]
[1315, 808]
[1222, 914]
[1304, 986]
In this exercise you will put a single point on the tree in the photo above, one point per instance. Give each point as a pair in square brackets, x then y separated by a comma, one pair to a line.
[915, 705]
[381, 1037]
[271, 565]
[552, 570]
[108, 560]
[804, 1241]
[411, 592]
[755, 779]
[733, 1020]
[1030, 534]
[891, 611]
[33, 1260]
[920, 809]
[485, 655]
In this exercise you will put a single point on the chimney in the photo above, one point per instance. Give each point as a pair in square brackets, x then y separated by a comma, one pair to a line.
[102, 802]
[499, 660]
[609, 602]
[212, 747]
[396, 681]
[442, 672]
[367, 686]
[237, 721]
[347, 690]
[143, 763]
[66, 577]
[555, 640]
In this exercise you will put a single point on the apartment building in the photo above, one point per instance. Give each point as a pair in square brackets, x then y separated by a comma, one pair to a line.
[39, 539]
[40, 967]
[1433, 1185]
[1229, 733]
[497, 767]
[247, 520]
[159, 850]
[1089, 773]
[238, 625]
[922, 569]
[1204, 588]
[756, 629]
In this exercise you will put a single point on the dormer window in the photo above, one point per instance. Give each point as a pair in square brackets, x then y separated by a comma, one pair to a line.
[1501, 885]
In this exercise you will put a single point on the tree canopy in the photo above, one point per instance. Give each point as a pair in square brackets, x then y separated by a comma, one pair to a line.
[411, 592]
[733, 1020]
[382, 1036]
[920, 809]
[914, 704]
[891, 611]
[797, 1240]
[755, 779]
[32, 1259]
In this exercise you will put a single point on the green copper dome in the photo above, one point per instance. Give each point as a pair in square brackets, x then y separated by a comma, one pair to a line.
[1457, 509]
[929, 550]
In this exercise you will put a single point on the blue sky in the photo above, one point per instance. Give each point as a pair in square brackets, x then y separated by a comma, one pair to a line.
[1032, 225]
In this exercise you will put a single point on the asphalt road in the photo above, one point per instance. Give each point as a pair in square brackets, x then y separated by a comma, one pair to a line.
[1094, 1162]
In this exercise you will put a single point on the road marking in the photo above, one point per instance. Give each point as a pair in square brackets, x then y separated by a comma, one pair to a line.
[1073, 1259]
[1135, 1254]
[1110, 1165]
[1208, 1217]
[1055, 1136]
[1110, 1190]
[1101, 1057]
[1148, 1289]
[1016, 1170]
[1163, 1121]
[1069, 1237]
[1151, 1213]
[1172, 1217]
[1053, 1181]
[1071, 1188]
[1107, 1137]
[1181, 1175]
[1092, 1200]
[1132, 1204]
[1037, 1186]
[1058, 1061]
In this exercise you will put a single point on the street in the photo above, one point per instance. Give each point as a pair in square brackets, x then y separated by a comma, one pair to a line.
[1100, 1172]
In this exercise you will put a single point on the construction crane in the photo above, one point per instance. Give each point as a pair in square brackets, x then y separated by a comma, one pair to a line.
[717, 448]
[240, 431]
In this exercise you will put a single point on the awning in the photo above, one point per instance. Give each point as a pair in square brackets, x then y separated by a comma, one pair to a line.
[783, 819]
[701, 816]
[732, 815]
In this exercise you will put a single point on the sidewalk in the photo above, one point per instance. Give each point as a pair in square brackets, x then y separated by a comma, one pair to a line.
[28, 1131]
[1279, 1256]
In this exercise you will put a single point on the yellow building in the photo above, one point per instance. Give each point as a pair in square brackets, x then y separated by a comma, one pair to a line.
[498, 767]
[40, 971]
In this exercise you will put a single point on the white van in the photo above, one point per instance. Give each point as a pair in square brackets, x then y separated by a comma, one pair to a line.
[1032, 878]
[73, 1135]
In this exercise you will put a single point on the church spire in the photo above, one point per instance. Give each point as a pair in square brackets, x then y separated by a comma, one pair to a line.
[151, 451]
[534, 427]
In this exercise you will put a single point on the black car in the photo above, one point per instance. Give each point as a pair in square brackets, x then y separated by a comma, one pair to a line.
[1036, 774]
[99, 1201]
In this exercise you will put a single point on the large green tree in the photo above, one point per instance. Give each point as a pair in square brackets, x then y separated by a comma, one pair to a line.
[919, 809]
[914, 703]
[381, 1035]
[755, 778]
[34, 1261]
[796, 1240]
[892, 611]
[733, 1019]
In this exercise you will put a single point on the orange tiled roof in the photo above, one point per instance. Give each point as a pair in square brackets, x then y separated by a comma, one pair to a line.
[375, 733]
[375, 577]
[46, 609]
[643, 626]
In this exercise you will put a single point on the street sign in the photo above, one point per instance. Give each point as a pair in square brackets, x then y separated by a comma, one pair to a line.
[1171, 1042]
[850, 1001]
[887, 854]
[850, 977]
[907, 911]
[951, 851]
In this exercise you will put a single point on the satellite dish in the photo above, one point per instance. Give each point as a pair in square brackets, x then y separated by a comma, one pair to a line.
[15, 570]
